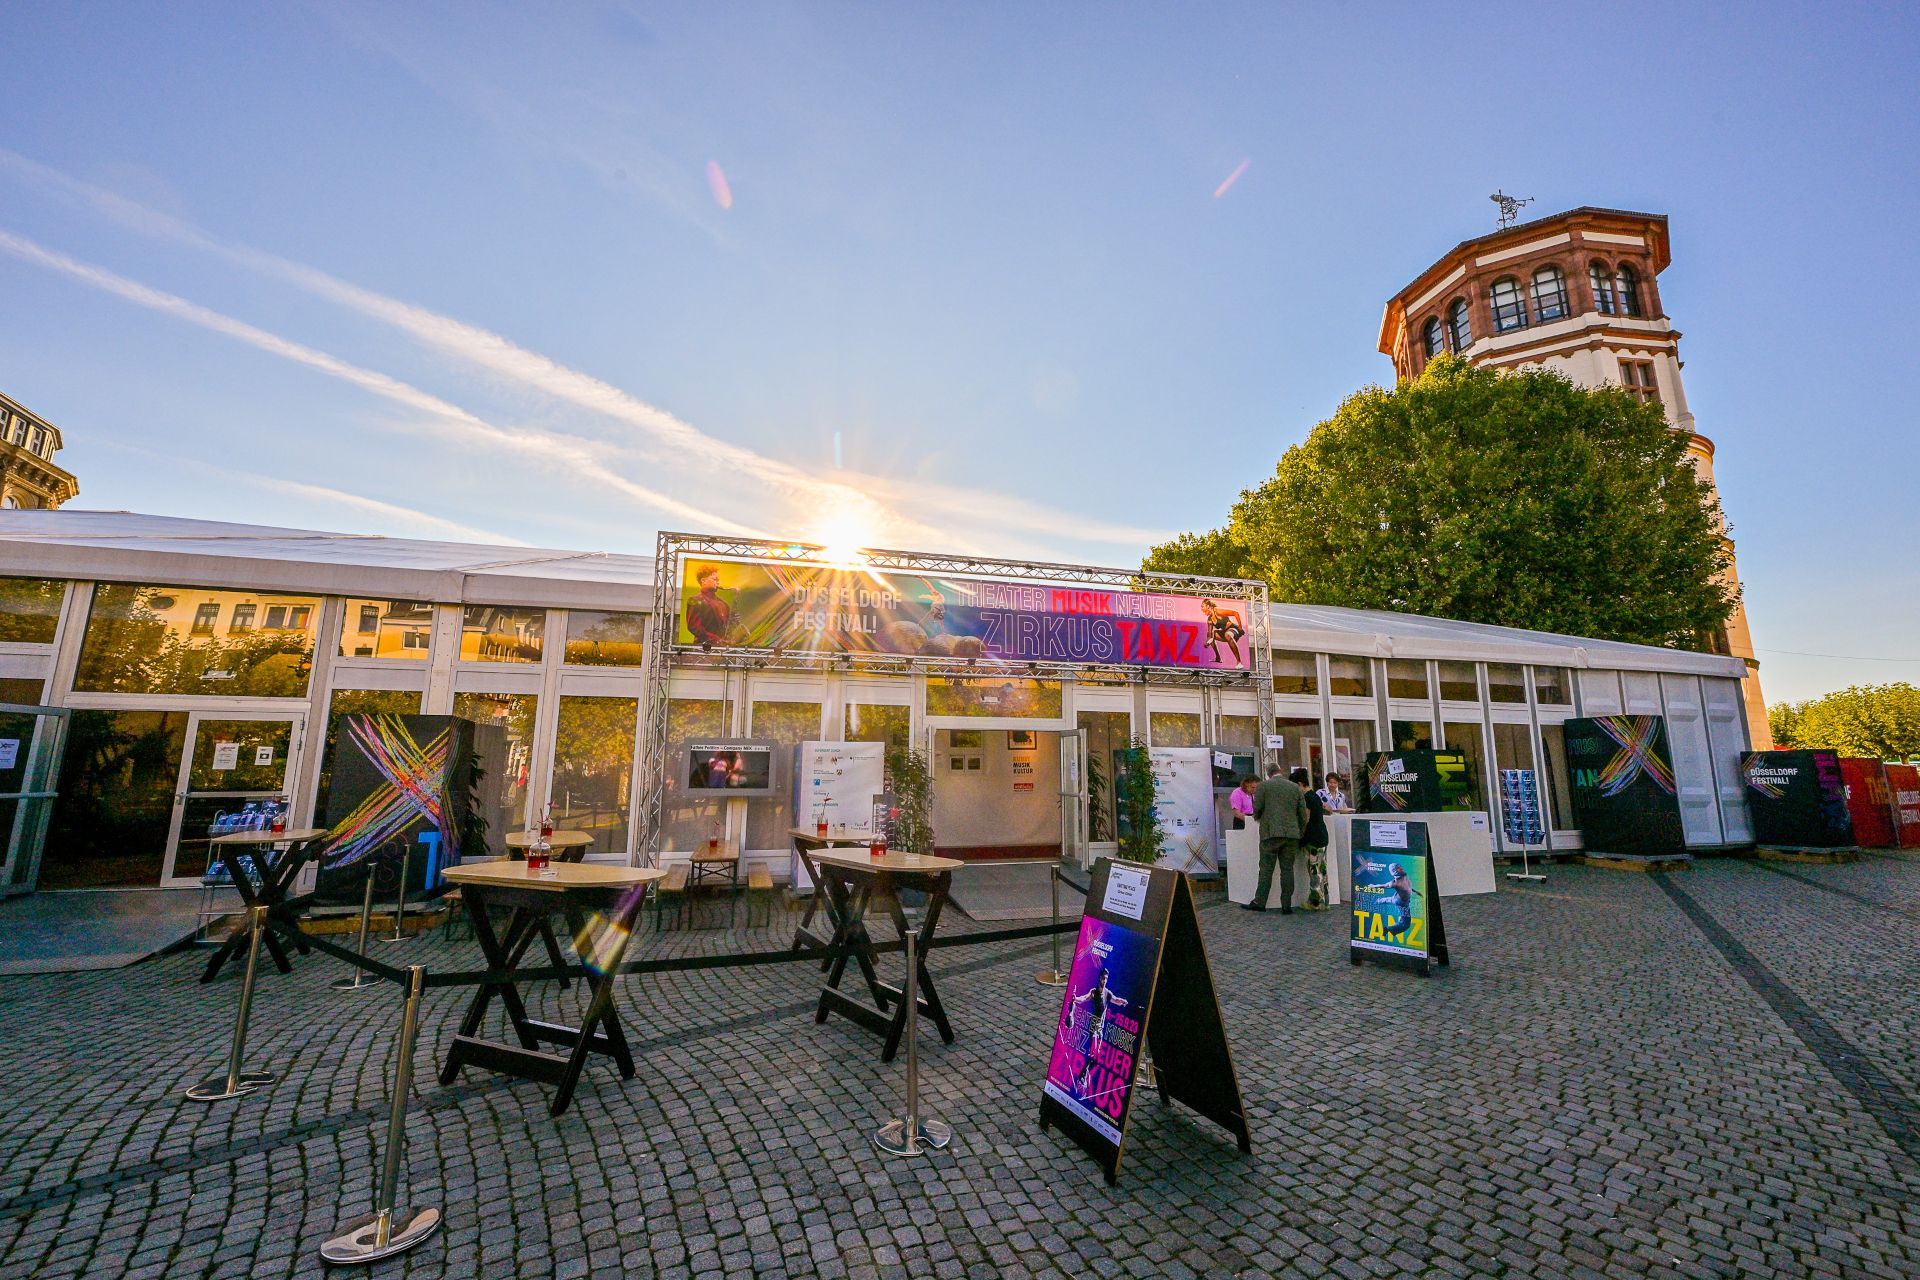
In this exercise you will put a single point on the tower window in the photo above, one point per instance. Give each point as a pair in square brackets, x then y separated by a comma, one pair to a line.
[1637, 377]
[242, 619]
[1601, 276]
[1431, 338]
[1509, 308]
[204, 617]
[1549, 294]
[1459, 326]
[1629, 291]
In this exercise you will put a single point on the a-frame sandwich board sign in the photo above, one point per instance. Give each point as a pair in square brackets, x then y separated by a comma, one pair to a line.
[1396, 897]
[1139, 974]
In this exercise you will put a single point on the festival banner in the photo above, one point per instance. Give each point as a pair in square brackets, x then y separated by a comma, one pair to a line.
[396, 780]
[1419, 781]
[1624, 796]
[1097, 1042]
[816, 609]
[1798, 799]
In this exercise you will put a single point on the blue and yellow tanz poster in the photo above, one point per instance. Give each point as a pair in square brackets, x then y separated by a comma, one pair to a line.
[1391, 903]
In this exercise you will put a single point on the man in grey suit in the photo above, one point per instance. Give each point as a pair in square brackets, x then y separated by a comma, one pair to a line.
[1280, 808]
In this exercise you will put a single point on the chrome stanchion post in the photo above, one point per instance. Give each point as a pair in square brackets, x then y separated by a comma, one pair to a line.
[361, 979]
[400, 903]
[388, 1230]
[912, 1136]
[236, 1082]
[1053, 977]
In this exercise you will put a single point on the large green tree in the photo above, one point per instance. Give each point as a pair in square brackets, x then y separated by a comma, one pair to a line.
[1510, 498]
[1878, 721]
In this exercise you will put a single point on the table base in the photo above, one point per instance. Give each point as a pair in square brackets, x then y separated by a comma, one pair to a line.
[893, 1139]
[381, 1235]
[214, 1088]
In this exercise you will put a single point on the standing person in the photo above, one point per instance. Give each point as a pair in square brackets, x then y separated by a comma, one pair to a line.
[1242, 801]
[709, 618]
[1335, 794]
[1281, 811]
[1315, 840]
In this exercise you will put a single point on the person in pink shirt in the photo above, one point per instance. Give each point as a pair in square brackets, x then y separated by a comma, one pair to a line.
[1242, 800]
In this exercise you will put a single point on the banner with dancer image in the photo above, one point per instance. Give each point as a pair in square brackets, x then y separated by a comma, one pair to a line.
[396, 780]
[727, 604]
[1625, 799]
[1097, 1041]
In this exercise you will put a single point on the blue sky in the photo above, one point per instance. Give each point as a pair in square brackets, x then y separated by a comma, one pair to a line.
[464, 270]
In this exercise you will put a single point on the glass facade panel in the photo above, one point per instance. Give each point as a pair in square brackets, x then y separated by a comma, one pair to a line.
[1412, 735]
[1460, 324]
[605, 639]
[1511, 751]
[1457, 682]
[873, 722]
[1240, 731]
[1506, 682]
[1552, 687]
[994, 696]
[789, 724]
[356, 702]
[1175, 728]
[1353, 740]
[24, 693]
[1302, 746]
[1295, 672]
[385, 629]
[1602, 281]
[149, 640]
[1107, 732]
[29, 609]
[1406, 678]
[1432, 339]
[593, 768]
[109, 826]
[1349, 677]
[685, 823]
[503, 743]
[1553, 763]
[490, 633]
[1465, 738]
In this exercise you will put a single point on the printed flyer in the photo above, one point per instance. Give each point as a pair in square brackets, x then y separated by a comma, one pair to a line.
[1097, 1041]
[1390, 902]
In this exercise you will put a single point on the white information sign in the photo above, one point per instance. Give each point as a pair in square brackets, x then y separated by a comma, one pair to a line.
[226, 755]
[836, 783]
[9, 752]
[1389, 835]
[1126, 891]
[1479, 821]
[1221, 760]
[1183, 785]
[1276, 742]
[1396, 765]
[263, 755]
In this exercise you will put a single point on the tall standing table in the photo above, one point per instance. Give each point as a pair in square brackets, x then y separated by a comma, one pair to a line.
[529, 898]
[806, 842]
[273, 890]
[562, 846]
[854, 880]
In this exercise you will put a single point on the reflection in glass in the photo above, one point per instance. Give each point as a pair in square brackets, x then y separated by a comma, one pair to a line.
[1553, 761]
[593, 768]
[1107, 732]
[1406, 678]
[1465, 738]
[493, 633]
[1240, 731]
[1302, 747]
[1295, 672]
[387, 629]
[1412, 735]
[1506, 682]
[1551, 687]
[150, 640]
[23, 693]
[872, 722]
[1352, 743]
[787, 724]
[605, 639]
[30, 609]
[1349, 677]
[994, 696]
[503, 742]
[1457, 682]
[242, 762]
[686, 823]
[1175, 728]
[115, 807]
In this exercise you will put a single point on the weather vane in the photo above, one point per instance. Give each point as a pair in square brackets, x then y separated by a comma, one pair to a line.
[1509, 207]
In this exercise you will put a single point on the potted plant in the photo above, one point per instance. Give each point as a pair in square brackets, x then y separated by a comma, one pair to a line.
[1141, 834]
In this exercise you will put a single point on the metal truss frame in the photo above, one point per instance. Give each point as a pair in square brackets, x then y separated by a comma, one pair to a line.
[664, 653]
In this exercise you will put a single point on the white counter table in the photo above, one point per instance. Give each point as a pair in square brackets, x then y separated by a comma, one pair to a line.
[1462, 856]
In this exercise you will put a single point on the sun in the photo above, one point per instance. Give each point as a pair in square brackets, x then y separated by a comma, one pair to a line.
[843, 536]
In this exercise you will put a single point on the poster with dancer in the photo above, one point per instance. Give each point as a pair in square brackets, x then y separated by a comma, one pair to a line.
[1396, 904]
[396, 780]
[1139, 964]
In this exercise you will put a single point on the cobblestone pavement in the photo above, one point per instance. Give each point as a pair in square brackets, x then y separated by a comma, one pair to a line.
[1708, 1074]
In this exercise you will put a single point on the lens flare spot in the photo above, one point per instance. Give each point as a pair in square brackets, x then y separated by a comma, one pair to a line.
[1226, 186]
[723, 194]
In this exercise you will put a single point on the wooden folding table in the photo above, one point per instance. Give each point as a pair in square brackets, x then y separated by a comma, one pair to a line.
[273, 889]
[530, 897]
[853, 881]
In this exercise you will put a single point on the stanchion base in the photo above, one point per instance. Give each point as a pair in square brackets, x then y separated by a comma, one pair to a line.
[395, 936]
[1522, 875]
[1048, 978]
[214, 1088]
[360, 1241]
[360, 981]
[893, 1139]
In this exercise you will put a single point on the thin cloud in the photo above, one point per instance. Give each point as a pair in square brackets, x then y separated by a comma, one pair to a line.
[1232, 178]
[442, 416]
[505, 359]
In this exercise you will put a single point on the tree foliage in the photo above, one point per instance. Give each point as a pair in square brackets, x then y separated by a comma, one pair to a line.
[1516, 499]
[1879, 722]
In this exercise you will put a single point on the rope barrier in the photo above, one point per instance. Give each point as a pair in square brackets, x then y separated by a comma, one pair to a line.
[385, 972]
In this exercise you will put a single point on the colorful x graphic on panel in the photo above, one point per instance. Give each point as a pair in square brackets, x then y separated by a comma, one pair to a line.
[413, 788]
[1636, 736]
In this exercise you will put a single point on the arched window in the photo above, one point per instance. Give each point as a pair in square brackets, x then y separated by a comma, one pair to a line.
[1509, 308]
[1459, 327]
[1601, 277]
[1432, 338]
[1629, 291]
[1549, 294]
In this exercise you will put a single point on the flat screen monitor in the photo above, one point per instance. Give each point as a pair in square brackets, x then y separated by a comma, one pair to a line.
[735, 767]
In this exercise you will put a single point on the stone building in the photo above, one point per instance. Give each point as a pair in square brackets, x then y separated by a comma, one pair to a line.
[1577, 293]
[29, 477]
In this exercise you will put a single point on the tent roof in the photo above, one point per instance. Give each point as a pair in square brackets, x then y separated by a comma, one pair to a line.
[124, 546]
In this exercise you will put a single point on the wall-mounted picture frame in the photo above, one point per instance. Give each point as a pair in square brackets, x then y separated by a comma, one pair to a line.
[973, 764]
[1022, 740]
[964, 739]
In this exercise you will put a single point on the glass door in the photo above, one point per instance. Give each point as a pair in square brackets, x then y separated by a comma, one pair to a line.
[31, 740]
[230, 762]
[1074, 814]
